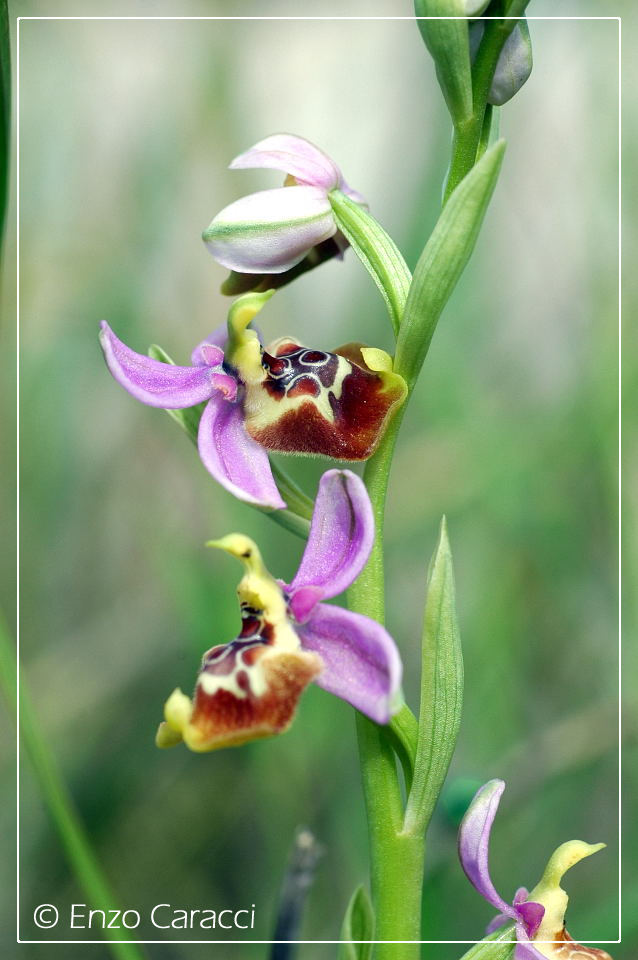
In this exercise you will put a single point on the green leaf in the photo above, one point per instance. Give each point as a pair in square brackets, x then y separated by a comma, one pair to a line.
[441, 690]
[443, 261]
[496, 946]
[377, 251]
[490, 131]
[403, 731]
[449, 44]
[358, 924]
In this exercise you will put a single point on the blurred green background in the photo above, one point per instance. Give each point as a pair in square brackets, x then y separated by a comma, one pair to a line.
[127, 128]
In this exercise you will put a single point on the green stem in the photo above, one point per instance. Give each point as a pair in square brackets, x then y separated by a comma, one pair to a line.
[467, 134]
[396, 859]
[71, 831]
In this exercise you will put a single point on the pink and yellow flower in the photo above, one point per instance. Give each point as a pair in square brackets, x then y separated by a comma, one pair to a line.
[249, 688]
[284, 398]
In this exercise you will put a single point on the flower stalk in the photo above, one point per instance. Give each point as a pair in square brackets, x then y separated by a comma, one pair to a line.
[468, 130]
[397, 844]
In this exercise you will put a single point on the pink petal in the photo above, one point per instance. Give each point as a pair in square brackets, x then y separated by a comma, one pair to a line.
[218, 338]
[499, 921]
[474, 838]
[341, 535]
[226, 385]
[525, 949]
[292, 155]
[151, 381]
[233, 458]
[303, 602]
[531, 913]
[270, 231]
[361, 661]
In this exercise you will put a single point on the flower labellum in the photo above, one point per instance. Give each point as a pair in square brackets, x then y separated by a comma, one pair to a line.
[285, 398]
[284, 231]
[301, 400]
[249, 688]
[538, 916]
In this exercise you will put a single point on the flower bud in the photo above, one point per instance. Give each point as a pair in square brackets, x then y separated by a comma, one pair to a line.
[514, 63]
[514, 66]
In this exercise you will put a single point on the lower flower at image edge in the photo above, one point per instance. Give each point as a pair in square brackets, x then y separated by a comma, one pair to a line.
[249, 688]
[539, 915]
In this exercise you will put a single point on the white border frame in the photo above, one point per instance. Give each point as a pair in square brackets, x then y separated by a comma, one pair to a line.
[104, 942]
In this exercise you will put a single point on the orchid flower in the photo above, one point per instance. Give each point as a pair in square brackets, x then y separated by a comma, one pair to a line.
[538, 916]
[249, 688]
[285, 398]
[284, 231]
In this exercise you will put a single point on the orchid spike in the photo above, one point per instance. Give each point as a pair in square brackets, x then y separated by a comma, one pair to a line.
[538, 916]
[284, 231]
[285, 398]
[249, 688]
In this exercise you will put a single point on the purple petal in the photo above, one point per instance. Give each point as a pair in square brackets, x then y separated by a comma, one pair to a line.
[361, 662]
[341, 534]
[498, 921]
[151, 381]
[293, 155]
[525, 949]
[226, 385]
[520, 896]
[235, 459]
[531, 913]
[218, 338]
[474, 836]
[270, 231]
[304, 601]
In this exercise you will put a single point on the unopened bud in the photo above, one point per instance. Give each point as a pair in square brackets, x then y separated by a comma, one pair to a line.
[514, 66]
